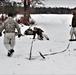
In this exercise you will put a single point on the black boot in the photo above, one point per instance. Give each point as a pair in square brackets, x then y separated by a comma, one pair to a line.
[72, 39]
[10, 53]
[47, 38]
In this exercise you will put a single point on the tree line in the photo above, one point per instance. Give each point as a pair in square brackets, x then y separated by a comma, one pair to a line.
[18, 9]
[52, 10]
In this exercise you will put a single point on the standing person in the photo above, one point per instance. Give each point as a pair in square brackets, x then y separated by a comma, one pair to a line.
[73, 28]
[9, 26]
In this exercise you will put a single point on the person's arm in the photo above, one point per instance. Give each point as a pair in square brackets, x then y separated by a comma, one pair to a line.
[34, 34]
[1, 29]
[72, 21]
[18, 29]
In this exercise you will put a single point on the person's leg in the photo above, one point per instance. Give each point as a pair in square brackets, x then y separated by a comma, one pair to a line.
[45, 36]
[71, 33]
[13, 41]
[74, 32]
[7, 42]
[34, 34]
[41, 36]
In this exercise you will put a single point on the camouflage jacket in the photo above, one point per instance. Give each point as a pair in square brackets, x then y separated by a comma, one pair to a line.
[10, 25]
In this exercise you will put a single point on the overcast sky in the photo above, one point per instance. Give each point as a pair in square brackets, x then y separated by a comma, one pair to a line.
[58, 3]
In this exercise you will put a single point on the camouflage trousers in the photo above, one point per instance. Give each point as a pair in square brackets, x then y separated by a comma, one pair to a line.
[9, 40]
[73, 33]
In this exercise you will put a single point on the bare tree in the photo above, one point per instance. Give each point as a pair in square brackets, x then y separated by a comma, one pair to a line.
[27, 5]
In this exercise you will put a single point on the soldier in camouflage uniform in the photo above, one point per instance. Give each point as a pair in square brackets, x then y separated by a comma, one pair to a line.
[73, 28]
[9, 26]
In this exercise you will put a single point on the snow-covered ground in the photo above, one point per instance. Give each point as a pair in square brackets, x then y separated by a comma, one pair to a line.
[57, 28]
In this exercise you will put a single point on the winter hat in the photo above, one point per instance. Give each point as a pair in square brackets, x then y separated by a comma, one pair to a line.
[10, 14]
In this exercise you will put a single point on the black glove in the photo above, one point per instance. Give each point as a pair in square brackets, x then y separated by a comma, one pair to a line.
[0, 34]
[19, 35]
